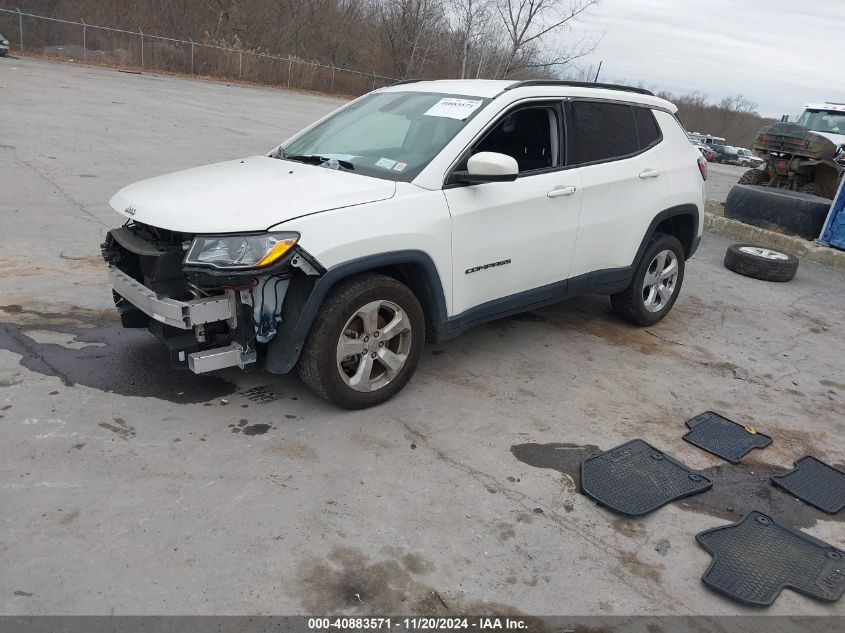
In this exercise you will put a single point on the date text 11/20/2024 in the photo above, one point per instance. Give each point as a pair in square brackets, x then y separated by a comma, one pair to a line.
[417, 624]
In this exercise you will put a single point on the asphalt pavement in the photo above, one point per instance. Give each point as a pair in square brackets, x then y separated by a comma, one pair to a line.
[128, 487]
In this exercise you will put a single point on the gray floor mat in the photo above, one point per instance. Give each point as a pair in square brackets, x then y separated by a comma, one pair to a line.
[756, 558]
[636, 478]
[816, 483]
[722, 437]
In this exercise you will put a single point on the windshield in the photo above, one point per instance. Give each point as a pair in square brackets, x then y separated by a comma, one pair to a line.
[823, 121]
[390, 135]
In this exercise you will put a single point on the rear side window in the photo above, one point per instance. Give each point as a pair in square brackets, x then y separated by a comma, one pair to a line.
[647, 128]
[604, 131]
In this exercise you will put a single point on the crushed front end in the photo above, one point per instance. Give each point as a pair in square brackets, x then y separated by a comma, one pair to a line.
[213, 299]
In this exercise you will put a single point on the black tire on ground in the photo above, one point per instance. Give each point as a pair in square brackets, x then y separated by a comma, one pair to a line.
[812, 189]
[778, 210]
[630, 303]
[318, 365]
[753, 177]
[760, 263]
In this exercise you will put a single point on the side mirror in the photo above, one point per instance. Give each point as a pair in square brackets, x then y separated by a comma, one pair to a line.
[489, 167]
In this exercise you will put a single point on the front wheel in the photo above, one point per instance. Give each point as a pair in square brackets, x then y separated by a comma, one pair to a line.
[656, 283]
[365, 342]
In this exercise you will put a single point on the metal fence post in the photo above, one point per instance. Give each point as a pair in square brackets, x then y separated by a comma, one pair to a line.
[374, 80]
[240, 63]
[20, 27]
[191, 40]
[332, 90]
[142, 45]
[290, 63]
[84, 43]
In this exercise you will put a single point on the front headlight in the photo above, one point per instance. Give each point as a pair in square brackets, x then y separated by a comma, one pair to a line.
[5, 42]
[240, 251]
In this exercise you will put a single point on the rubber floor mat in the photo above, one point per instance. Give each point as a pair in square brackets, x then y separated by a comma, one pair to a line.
[756, 558]
[816, 483]
[636, 478]
[723, 437]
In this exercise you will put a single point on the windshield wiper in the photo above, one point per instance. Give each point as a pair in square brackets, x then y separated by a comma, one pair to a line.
[315, 159]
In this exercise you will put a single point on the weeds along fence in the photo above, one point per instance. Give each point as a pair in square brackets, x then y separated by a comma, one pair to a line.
[111, 46]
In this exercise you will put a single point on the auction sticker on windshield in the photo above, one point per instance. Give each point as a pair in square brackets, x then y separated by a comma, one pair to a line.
[452, 108]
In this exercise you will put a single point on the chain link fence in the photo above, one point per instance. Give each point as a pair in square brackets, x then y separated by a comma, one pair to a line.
[110, 46]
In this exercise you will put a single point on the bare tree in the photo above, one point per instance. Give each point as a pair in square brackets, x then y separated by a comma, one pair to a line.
[409, 30]
[529, 22]
[738, 103]
[473, 22]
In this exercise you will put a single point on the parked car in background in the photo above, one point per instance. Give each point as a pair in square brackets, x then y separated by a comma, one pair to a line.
[747, 159]
[4, 45]
[726, 154]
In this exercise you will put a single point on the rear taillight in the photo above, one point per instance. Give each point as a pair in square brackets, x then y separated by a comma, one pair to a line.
[702, 167]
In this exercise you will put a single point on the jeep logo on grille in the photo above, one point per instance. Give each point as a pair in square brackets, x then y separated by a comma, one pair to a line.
[130, 210]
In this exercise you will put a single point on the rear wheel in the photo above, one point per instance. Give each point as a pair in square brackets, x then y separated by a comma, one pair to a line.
[753, 177]
[365, 343]
[656, 283]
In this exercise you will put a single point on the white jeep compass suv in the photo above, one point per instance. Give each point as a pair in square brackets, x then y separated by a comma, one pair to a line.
[409, 215]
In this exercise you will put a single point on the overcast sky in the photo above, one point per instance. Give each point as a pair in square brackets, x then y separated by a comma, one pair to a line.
[778, 53]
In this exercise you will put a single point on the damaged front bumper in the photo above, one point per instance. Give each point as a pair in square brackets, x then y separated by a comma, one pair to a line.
[180, 314]
[188, 315]
[208, 319]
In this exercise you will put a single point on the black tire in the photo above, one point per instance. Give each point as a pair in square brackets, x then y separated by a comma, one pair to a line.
[811, 189]
[778, 210]
[630, 303]
[753, 177]
[759, 266]
[318, 367]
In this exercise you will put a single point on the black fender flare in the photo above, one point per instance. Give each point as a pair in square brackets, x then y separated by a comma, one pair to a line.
[681, 209]
[284, 349]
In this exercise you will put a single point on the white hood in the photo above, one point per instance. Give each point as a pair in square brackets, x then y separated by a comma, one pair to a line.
[244, 195]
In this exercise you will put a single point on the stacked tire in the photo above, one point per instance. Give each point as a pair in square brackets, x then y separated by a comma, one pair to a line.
[780, 210]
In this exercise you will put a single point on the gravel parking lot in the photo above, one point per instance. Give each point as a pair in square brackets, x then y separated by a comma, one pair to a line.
[127, 487]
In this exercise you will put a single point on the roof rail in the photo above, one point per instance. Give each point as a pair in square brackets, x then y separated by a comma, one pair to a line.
[577, 84]
[404, 81]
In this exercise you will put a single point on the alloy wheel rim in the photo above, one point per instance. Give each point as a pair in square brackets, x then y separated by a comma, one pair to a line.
[763, 252]
[373, 346]
[661, 281]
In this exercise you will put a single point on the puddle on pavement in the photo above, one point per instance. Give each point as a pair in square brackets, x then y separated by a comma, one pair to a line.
[739, 489]
[250, 429]
[564, 458]
[127, 362]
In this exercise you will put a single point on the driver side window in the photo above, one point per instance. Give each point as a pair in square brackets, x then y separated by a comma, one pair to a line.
[530, 134]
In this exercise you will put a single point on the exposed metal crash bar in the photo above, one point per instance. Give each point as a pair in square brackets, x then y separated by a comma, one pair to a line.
[219, 358]
[180, 314]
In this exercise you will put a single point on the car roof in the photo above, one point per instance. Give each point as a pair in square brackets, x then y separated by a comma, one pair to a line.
[491, 88]
[825, 106]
